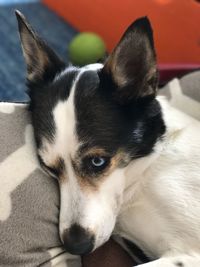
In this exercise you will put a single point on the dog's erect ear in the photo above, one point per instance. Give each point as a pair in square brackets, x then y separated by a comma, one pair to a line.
[132, 64]
[42, 62]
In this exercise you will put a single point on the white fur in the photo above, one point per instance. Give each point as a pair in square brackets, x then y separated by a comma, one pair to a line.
[66, 144]
[95, 66]
[92, 210]
[66, 70]
[161, 209]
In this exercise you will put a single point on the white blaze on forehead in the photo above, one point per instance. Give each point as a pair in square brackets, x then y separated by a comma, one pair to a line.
[65, 141]
[65, 119]
[65, 71]
[95, 66]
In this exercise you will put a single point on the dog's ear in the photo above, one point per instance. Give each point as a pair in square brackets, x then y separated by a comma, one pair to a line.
[42, 62]
[132, 64]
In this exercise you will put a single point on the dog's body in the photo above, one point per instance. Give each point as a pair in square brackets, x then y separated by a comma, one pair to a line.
[124, 159]
[161, 209]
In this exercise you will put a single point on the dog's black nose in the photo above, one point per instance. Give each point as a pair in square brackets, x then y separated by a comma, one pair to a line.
[77, 240]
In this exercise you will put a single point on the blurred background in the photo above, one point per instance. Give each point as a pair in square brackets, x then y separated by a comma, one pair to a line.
[176, 25]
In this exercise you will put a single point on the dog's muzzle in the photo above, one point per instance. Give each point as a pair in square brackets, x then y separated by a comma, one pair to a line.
[77, 240]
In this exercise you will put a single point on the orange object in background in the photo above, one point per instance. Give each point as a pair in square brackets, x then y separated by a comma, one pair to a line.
[176, 24]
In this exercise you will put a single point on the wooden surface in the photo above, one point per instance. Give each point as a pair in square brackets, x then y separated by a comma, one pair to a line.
[109, 255]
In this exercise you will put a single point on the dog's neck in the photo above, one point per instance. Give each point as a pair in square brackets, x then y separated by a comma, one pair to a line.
[175, 122]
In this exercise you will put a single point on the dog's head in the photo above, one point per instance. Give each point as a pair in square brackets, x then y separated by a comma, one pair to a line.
[89, 123]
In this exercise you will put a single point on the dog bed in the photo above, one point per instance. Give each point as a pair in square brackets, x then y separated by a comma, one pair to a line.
[29, 200]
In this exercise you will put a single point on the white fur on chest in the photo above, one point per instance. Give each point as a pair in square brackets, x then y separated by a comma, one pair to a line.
[161, 210]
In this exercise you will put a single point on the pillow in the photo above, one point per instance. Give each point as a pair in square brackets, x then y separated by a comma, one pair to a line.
[29, 200]
[184, 94]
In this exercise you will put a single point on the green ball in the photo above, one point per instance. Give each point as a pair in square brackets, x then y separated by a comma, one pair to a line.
[86, 48]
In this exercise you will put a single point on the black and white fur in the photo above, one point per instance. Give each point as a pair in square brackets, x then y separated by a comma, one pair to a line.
[125, 160]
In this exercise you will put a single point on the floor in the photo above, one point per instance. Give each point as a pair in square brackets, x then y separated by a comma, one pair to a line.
[12, 67]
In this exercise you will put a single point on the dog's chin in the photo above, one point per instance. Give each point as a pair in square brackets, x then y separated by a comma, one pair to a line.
[102, 239]
[108, 227]
[101, 242]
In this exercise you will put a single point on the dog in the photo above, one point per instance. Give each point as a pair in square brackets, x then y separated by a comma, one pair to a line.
[126, 162]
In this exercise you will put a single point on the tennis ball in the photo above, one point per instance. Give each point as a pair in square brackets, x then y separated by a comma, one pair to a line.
[86, 48]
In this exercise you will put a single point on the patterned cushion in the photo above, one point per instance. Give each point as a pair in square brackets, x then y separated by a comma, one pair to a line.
[29, 200]
[184, 94]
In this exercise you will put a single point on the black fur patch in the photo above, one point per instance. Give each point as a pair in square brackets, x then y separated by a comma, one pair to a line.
[103, 122]
[44, 97]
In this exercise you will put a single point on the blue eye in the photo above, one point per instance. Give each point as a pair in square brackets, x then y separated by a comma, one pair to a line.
[95, 164]
[98, 161]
